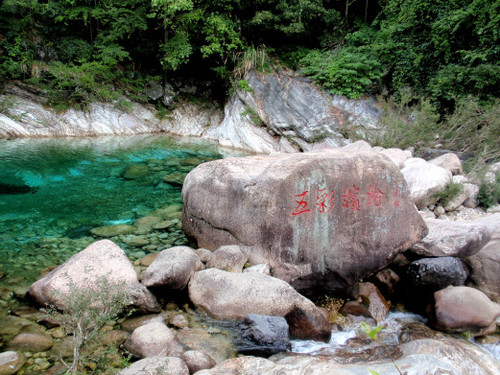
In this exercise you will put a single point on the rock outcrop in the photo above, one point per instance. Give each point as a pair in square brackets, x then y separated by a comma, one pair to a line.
[339, 211]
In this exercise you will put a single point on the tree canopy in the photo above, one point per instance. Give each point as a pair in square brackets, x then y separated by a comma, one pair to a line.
[440, 49]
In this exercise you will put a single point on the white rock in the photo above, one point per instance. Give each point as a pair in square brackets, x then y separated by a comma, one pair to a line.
[424, 180]
[397, 156]
[450, 162]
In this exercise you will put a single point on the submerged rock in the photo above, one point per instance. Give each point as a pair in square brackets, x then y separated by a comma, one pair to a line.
[327, 209]
[113, 230]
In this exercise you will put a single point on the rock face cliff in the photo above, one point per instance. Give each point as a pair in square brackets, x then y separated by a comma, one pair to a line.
[280, 112]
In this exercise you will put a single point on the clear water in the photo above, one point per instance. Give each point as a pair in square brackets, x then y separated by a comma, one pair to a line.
[77, 184]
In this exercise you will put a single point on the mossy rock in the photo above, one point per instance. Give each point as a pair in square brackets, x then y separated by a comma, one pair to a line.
[113, 230]
[138, 171]
[174, 178]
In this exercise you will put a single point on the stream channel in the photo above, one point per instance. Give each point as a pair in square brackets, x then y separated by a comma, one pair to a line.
[53, 191]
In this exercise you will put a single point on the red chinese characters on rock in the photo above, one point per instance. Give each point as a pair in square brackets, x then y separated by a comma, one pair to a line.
[351, 199]
[325, 199]
[374, 196]
[302, 204]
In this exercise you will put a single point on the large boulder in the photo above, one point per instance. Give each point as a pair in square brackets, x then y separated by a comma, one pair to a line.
[461, 309]
[340, 211]
[232, 296]
[101, 261]
[172, 268]
[425, 180]
[451, 238]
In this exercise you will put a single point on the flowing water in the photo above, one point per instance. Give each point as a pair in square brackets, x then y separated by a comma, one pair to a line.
[53, 191]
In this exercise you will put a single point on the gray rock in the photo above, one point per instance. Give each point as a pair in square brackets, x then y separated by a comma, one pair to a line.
[228, 258]
[131, 324]
[451, 238]
[153, 339]
[491, 223]
[437, 273]
[327, 209]
[102, 260]
[424, 356]
[461, 309]
[196, 361]
[468, 193]
[239, 131]
[312, 114]
[172, 268]
[157, 365]
[424, 180]
[450, 162]
[11, 362]
[485, 270]
[232, 296]
[263, 335]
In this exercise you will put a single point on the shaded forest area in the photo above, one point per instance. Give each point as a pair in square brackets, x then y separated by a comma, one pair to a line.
[438, 57]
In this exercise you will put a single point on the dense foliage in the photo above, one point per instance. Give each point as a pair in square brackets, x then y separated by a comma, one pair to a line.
[81, 50]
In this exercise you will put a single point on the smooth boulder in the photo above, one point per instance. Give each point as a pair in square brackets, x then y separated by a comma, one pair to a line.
[232, 296]
[227, 258]
[102, 260]
[263, 335]
[436, 273]
[153, 339]
[172, 268]
[461, 309]
[327, 209]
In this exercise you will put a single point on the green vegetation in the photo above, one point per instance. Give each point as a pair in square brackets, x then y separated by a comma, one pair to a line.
[83, 313]
[489, 192]
[436, 62]
[450, 191]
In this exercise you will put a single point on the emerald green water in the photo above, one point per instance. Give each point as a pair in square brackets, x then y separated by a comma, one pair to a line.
[76, 185]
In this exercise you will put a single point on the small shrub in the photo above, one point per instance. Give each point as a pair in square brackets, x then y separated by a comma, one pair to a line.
[254, 116]
[448, 193]
[489, 193]
[252, 59]
[84, 311]
[243, 85]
